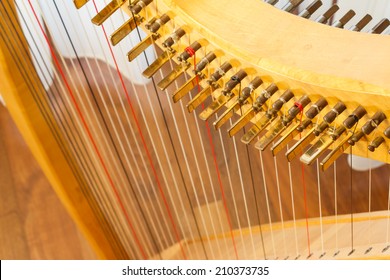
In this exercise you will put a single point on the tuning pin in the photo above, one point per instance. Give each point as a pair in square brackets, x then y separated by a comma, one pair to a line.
[362, 23]
[291, 5]
[309, 10]
[166, 55]
[153, 26]
[297, 149]
[226, 95]
[239, 101]
[283, 123]
[194, 80]
[107, 11]
[311, 113]
[80, 3]
[268, 117]
[271, 2]
[380, 27]
[349, 122]
[344, 20]
[328, 138]
[368, 127]
[375, 143]
[212, 85]
[256, 108]
[326, 16]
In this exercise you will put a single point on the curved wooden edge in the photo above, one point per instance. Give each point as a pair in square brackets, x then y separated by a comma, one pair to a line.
[36, 131]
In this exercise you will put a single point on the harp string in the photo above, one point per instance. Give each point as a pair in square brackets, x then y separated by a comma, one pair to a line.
[297, 253]
[267, 203]
[88, 131]
[60, 120]
[157, 232]
[320, 205]
[336, 205]
[39, 101]
[108, 196]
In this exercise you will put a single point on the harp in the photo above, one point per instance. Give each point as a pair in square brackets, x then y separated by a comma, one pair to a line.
[146, 179]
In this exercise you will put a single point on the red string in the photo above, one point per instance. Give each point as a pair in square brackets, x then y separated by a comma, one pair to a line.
[89, 133]
[143, 141]
[300, 107]
[216, 163]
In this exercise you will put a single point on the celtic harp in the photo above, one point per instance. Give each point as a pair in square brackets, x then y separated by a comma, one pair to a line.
[176, 129]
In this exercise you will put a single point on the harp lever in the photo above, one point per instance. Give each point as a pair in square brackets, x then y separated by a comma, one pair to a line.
[239, 101]
[269, 116]
[311, 113]
[107, 11]
[80, 3]
[193, 81]
[209, 89]
[153, 27]
[256, 108]
[182, 67]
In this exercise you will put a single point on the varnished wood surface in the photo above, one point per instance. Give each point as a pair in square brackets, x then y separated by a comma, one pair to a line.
[33, 222]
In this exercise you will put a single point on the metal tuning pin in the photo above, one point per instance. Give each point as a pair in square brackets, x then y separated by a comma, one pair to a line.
[283, 123]
[380, 27]
[349, 122]
[166, 55]
[309, 10]
[297, 148]
[239, 101]
[131, 24]
[268, 117]
[271, 2]
[257, 107]
[291, 5]
[311, 113]
[327, 15]
[182, 67]
[80, 3]
[153, 26]
[107, 11]
[344, 20]
[367, 128]
[194, 80]
[346, 141]
[332, 135]
[362, 23]
[212, 85]
[375, 143]
[226, 95]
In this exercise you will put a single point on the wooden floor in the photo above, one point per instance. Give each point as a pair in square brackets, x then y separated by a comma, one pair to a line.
[33, 223]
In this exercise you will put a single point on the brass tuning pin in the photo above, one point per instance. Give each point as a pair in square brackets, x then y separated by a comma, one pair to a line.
[194, 80]
[327, 15]
[256, 108]
[311, 113]
[271, 2]
[309, 10]
[131, 24]
[344, 20]
[362, 23]
[107, 11]
[212, 84]
[239, 101]
[267, 118]
[291, 5]
[332, 135]
[375, 143]
[167, 54]
[80, 3]
[226, 95]
[283, 123]
[153, 26]
[182, 67]
[298, 147]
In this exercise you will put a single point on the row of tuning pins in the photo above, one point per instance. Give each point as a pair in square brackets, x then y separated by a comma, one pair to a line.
[324, 18]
